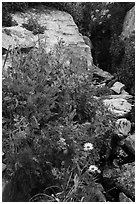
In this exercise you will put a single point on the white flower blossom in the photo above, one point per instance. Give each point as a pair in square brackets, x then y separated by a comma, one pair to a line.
[88, 146]
[93, 169]
[97, 10]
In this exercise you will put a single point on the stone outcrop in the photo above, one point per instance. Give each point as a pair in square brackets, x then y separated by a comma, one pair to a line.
[129, 24]
[127, 36]
[58, 26]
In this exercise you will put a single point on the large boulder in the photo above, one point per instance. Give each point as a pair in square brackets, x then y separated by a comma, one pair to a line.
[58, 27]
[118, 106]
[127, 67]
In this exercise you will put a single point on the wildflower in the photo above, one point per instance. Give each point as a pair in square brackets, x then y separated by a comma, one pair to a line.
[88, 146]
[93, 169]
[63, 145]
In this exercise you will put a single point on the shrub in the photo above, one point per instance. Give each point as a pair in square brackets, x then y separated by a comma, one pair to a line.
[53, 129]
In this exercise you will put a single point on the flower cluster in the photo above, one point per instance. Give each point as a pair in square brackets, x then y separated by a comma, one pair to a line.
[62, 145]
[100, 15]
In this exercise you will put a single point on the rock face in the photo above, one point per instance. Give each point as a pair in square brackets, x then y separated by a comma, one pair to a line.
[58, 26]
[129, 24]
[127, 73]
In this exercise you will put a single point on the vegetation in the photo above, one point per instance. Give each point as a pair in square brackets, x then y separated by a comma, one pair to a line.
[102, 22]
[56, 135]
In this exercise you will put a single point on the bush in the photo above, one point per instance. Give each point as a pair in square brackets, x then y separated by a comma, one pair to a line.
[54, 130]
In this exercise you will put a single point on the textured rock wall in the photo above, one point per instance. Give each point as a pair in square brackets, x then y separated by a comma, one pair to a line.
[129, 23]
[58, 26]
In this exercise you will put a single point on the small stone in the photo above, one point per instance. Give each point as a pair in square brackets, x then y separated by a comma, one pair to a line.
[123, 126]
[117, 87]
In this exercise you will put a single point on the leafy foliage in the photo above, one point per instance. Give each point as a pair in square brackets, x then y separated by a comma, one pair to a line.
[49, 113]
